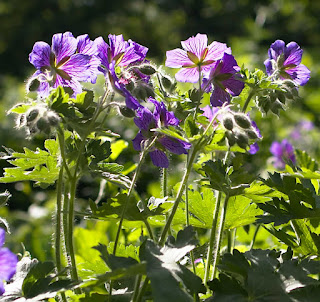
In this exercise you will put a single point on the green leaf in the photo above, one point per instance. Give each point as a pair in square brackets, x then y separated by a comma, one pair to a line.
[165, 274]
[39, 166]
[190, 126]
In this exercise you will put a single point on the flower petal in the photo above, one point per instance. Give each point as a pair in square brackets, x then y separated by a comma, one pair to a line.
[292, 54]
[77, 67]
[40, 55]
[144, 119]
[177, 58]
[276, 149]
[174, 145]
[229, 65]
[136, 142]
[276, 49]
[219, 97]
[103, 50]
[8, 263]
[299, 74]
[159, 158]
[2, 237]
[190, 75]
[63, 45]
[216, 51]
[233, 86]
[269, 66]
[196, 45]
[86, 46]
[254, 148]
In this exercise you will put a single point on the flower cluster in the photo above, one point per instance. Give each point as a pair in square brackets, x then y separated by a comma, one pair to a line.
[8, 262]
[148, 122]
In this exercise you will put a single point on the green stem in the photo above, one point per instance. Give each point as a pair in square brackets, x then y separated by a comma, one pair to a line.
[142, 290]
[254, 236]
[164, 183]
[136, 288]
[219, 236]
[250, 95]
[179, 195]
[212, 237]
[69, 239]
[231, 239]
[59, 221]
[133, 182]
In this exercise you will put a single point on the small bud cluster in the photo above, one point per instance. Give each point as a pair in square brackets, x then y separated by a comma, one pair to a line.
[39, 119]
[274, 100]
[137, 84]
[239, 129]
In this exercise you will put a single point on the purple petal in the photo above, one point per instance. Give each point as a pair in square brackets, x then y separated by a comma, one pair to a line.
[77, 67]
[254, 148]
[63, 45]
[196, 45]
[144, 119]
[86, 46]
[73, 84]
[177, 58]
[139, 49]
[299, 74]
[2, 237]
[159, 158]
[229, 65]
[130, 56]
[216, 51]
[269, 67]
[219, 97]
[276, 149]
[132, 102]
[117, 45]
[190, 75]
[276, 49]
[136, 142]
[233, 86]
[8, 263]
[40, 55]
[209, 112]
[103, 50]
[292, 54]
[174, 145]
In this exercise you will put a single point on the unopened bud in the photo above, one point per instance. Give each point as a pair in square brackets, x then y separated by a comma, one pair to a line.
[33, 84]
[53, 119]
[242, 120]
[147, 69]
[126, 112]
[231, 138]
[32, 115]
[228, 122]
[43, 124]
[252, 134]
[242, 140]
[166, 82]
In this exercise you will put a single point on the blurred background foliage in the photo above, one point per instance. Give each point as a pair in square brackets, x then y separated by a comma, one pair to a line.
[247, 26]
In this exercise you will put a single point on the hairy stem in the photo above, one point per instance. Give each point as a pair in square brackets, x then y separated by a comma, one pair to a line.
[212, 237]
[250, 96]
[216, 250]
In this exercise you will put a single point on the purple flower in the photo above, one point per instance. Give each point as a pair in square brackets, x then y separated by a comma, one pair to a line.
[147, 123]
[196, 55]
[8, 262]
[66, 63]
[119, 52]
[301, 128]
[224, 80]
[282, 153]
[286, 60]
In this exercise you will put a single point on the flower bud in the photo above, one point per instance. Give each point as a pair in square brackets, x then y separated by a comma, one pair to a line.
[228, 122]
[33, 84]
[242, 120]
[252, 134]
[126, 112]
[53, 119]
[242, 140]
[166, 82]
[147, 69]
[43, 124]
[231, 138]
[32, 115]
